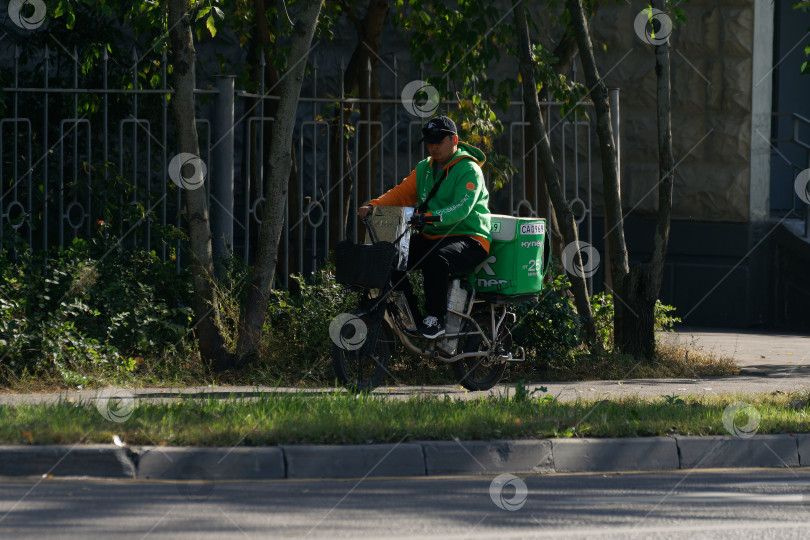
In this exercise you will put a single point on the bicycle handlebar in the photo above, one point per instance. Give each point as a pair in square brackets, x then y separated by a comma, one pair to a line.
[419, 220]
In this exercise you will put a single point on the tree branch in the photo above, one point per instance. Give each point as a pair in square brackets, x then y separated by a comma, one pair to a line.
[562, 209]
[349, 11]
[666, 160]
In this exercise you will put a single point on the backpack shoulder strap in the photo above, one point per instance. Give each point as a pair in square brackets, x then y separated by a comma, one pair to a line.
[422, 208]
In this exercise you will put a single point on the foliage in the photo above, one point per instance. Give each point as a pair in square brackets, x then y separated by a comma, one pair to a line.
[602, 306]
[296, 342]
[549, 330]
[460, 43]
[92, 28]
[478, 125]
[804, 6]
[92, 305]
[230, 292]
[523, 394]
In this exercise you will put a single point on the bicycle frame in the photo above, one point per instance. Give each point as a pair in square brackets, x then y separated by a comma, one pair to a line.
[384, 304]
[436, 353]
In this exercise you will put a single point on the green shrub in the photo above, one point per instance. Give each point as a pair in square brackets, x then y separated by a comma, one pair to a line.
[296, 342]
[549, 330]
[602, 306]
[91, 305]
[230, 292]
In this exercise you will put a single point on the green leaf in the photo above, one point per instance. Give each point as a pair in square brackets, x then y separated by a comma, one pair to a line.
[211, 25]
[203, 12]
[219, 13]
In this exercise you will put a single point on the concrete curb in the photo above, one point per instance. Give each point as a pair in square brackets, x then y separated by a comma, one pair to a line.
[757, 451]
[95, 460]
[487, 457]
[589, 455]
[178, 463]
[418, 458]
[354, 461]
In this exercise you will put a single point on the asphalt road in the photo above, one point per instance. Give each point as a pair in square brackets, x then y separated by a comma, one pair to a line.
[738, 505]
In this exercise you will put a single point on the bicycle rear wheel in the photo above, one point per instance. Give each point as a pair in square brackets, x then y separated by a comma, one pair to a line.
[478, 373]
[358, 365]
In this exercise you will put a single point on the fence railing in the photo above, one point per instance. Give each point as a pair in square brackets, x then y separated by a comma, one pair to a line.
[72, 155]
[797, 122]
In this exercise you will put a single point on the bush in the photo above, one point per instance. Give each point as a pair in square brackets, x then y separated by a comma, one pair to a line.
[296, 342]
[602, 306]
[89, 306]
[549, 330]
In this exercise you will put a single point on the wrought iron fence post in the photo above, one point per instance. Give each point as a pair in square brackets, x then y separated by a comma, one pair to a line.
[222, 176]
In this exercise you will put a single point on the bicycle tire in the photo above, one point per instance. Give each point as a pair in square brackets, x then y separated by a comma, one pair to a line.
[359, 369]
[473, 373]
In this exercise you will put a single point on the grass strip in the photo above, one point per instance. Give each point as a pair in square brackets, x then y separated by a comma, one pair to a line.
[351, 419]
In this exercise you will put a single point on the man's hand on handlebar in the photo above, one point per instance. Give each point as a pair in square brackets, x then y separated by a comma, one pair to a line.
[420, 220]
[364, 211]
[417, 220]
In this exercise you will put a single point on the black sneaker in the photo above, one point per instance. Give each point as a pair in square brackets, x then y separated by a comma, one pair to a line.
[431, 327]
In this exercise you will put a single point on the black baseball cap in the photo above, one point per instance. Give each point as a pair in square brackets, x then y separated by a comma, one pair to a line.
[437, 129]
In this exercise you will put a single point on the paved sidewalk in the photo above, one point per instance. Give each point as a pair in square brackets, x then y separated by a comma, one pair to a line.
[770, 362]
[565, 391]
[765, 353]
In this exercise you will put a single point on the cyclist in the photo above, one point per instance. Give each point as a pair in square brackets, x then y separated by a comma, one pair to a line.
[449, 184]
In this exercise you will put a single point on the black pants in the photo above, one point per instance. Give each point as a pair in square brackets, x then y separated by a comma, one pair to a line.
[438, 259]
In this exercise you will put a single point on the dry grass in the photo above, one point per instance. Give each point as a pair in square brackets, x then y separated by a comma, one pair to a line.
[673, 361]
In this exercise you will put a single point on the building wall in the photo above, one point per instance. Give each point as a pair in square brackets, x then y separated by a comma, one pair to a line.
[721, 100]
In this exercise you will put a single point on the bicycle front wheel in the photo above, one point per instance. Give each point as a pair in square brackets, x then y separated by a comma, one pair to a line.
[359, 364]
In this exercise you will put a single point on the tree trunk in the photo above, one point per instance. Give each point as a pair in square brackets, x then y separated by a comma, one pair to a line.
[638, 338]
[565, 52]
[644, 283]
[361, 75]
[614, 225]
[212, 347]
[339, 201]
[365, 54]
[264, 42]
[280, 162]
[565, 217]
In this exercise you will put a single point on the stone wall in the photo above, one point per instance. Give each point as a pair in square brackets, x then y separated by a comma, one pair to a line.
[720, 83]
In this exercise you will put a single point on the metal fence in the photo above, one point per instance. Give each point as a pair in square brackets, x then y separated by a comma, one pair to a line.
[792, 130]
[73, 155]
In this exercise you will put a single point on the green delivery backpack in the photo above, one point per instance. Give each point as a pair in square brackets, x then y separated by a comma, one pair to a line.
[515, 262]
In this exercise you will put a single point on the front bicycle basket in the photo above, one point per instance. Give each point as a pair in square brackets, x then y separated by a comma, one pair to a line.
[364, 265]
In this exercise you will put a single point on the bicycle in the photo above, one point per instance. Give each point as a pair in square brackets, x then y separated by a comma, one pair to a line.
[477, 343]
